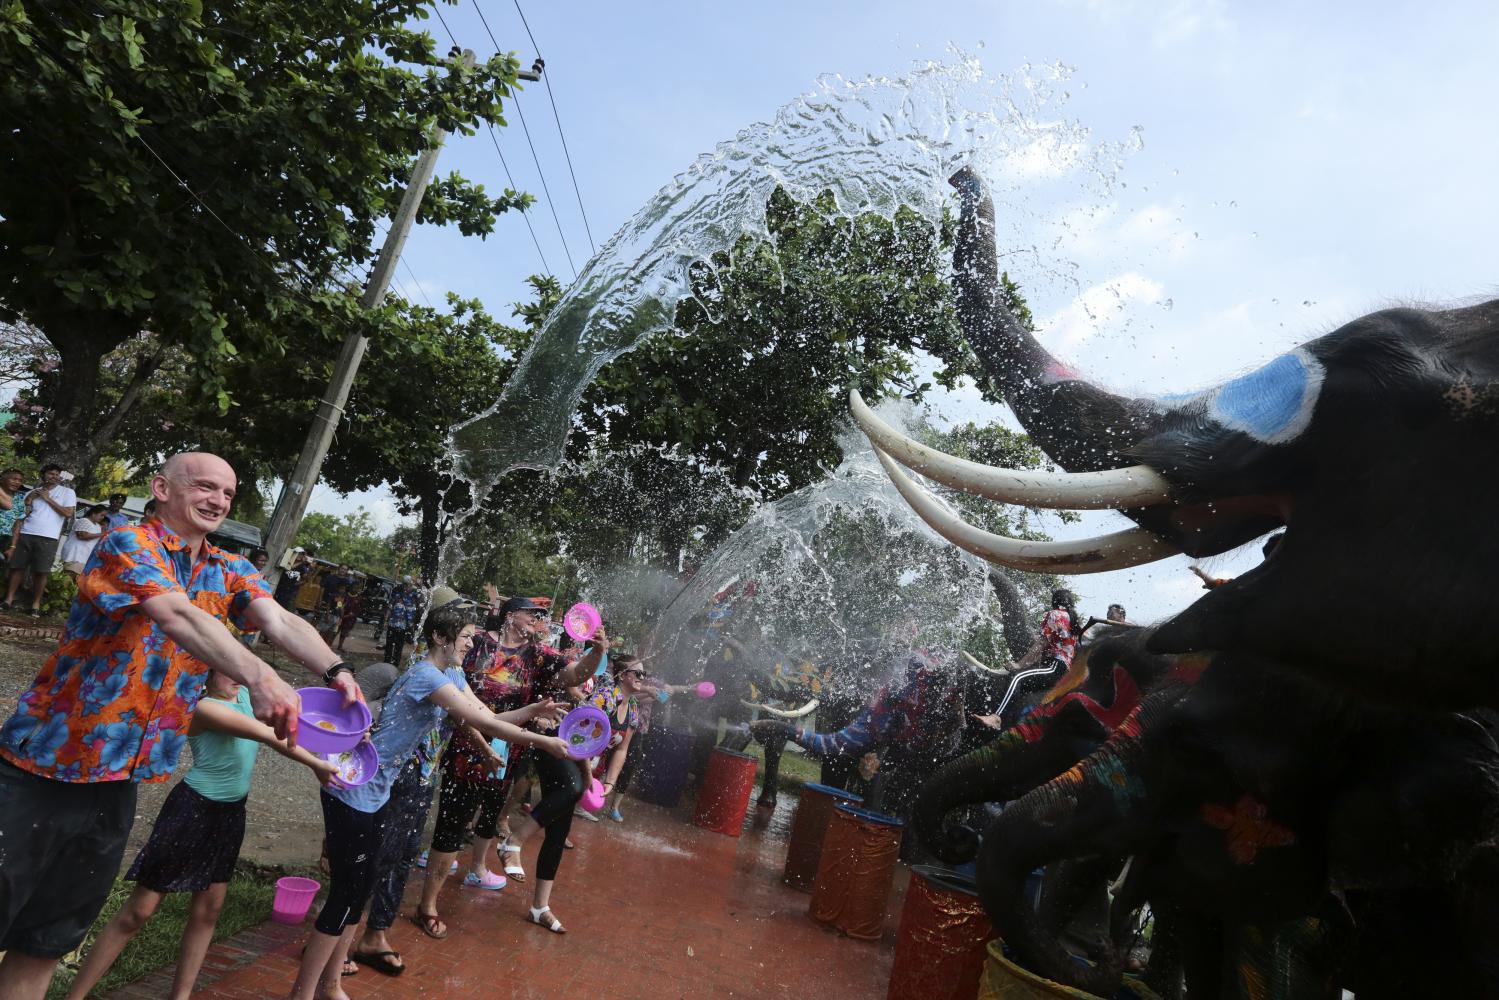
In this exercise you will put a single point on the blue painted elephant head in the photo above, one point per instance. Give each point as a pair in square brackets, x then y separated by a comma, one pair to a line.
[1374, 446]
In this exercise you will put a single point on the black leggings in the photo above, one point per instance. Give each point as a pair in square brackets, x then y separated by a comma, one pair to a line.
[353, 840]
[456, 804]
[561, 788]
[1025, 683]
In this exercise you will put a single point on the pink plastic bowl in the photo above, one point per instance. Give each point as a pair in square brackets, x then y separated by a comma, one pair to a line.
[585, 730]
[582, 621]
[706, 689]
[593, 799]
[293, 899]
[356, 766]
[325, 725]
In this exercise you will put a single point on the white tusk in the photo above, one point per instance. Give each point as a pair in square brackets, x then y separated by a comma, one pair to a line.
[1120, 550]
[986, 669]
[1114, 489]
[780, 713]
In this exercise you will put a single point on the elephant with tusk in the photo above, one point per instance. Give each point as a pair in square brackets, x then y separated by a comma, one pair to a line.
[1324, 765]
[1371, 445]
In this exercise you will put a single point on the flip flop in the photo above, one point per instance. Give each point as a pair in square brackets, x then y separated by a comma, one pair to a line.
[349, 969]
[380, 961]
[428, 923]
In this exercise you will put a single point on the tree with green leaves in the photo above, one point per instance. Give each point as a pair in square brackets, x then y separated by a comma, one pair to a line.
[210, 178]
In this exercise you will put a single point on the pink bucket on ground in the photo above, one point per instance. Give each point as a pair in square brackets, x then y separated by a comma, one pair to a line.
[593, 799]
[293, 899]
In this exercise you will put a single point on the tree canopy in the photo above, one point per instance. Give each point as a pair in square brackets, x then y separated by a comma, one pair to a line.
[212, 178]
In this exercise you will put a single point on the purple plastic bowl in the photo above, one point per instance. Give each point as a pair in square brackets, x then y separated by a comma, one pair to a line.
[585, 730]
[325, 725]
[356, 766]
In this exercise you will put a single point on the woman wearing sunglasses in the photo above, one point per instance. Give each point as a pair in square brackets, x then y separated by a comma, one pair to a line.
[620, 702]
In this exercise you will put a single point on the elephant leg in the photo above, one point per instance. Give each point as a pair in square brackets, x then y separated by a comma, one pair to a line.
[1290, 960]
[1201, 943]
[1164, 968]
[774, 746]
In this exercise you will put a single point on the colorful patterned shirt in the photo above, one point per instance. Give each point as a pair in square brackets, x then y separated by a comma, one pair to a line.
[114, 702]
[504, 680]
[405, 607]
[1056, 630]
[608, 698]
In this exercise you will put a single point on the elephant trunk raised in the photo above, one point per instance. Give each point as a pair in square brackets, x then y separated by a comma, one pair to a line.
[1078, 424]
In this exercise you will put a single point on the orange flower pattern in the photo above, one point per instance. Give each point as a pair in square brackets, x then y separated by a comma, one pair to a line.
[1248, 827]
[114, 702]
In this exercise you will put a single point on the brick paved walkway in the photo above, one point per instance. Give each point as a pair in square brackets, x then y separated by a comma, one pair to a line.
[656, 909]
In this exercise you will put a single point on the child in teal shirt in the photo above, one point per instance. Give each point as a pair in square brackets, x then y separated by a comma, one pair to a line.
[197, 836]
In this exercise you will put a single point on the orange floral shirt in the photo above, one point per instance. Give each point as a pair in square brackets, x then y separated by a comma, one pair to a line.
[114, 702]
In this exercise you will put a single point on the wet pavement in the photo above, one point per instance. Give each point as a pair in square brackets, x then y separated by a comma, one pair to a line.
[654, 908]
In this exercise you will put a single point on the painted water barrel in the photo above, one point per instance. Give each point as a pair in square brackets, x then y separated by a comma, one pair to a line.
[859, 854]
[813, 810]
[724, 798]
[665, 760]
[1003, 979]
[939, 953]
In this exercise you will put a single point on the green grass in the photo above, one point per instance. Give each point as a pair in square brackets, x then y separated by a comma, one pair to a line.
[796, 769]
[248, 903]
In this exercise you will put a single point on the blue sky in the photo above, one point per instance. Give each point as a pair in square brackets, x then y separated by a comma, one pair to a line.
[1301, 165]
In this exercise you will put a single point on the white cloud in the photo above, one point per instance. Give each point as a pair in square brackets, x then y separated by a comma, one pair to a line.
[1098, 308]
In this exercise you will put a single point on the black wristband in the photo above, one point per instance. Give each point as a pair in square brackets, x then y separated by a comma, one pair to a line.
[331, 674]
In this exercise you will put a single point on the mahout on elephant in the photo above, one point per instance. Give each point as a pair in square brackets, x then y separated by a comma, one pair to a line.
[1320, 773]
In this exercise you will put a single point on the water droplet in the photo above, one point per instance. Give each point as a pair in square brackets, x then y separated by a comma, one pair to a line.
[1233, 204]
[1168, 304]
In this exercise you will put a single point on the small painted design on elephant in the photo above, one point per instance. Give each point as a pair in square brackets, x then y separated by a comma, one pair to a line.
[1118, 780]
[1248, 828]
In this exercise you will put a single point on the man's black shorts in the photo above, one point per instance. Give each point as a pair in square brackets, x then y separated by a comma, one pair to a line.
[60, 850]
[34, 554]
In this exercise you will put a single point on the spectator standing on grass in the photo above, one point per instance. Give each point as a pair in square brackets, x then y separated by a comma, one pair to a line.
[34, 538]
[87, 530]
[292, 578]
[117, 518]
[405, 609]
[113, 705]
[11, 509]
[336, 586]
[353, 604]
[197, 836]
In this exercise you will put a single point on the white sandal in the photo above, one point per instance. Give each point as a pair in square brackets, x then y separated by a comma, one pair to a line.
[555, 926]
[513, 869]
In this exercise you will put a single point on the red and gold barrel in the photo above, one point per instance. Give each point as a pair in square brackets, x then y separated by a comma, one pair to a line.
[859, 854]
[939, 954]
[724, 798]
[810, 824]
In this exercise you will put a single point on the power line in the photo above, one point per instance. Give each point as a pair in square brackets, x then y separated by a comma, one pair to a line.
[523, 213]
[515, 99]
[547, 81]
[494, 139]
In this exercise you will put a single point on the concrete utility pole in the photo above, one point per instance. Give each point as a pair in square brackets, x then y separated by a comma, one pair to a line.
[297, 490]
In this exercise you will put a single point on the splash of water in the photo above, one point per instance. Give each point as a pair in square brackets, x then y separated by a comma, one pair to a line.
[841, 574]
[877, 144]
